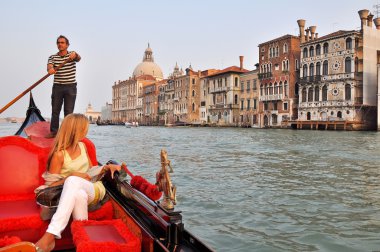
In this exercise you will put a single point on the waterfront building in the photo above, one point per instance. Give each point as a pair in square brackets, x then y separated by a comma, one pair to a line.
[249, 98]
[204, 102]
[127, 95]
[220, 95]
[187, 96]
[279, 69]
[339, 76]
[91, 115]
[150, 102]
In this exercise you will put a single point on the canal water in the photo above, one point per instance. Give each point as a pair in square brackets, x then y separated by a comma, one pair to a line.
[261, 190]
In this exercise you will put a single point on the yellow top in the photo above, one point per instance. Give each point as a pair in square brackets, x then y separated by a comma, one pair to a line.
[81, 164]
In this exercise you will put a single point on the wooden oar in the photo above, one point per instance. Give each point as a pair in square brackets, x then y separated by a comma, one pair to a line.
[32, 86]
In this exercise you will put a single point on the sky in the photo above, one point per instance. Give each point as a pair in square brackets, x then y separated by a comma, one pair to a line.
[111, 36]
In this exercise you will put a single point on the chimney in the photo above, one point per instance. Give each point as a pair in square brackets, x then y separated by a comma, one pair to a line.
[312, 30]
[241, 58]
[363, 14]
[257, 66]
[301, 25]
[316, 35]
[377, 23]
[307, 34]
[370, 20]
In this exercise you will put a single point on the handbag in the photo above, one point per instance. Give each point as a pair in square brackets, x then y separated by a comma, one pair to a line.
[49, 197]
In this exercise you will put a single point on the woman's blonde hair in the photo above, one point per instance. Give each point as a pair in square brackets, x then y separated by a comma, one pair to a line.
[73, 129]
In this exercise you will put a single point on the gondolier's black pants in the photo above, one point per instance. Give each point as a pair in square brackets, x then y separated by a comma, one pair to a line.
[62, 94]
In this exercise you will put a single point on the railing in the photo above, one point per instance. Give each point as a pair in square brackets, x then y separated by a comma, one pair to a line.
[273, 97]
[265, 75]
[219, 89]
[224, 106]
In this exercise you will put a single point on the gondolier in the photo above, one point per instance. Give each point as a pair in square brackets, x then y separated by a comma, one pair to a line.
[65, 85]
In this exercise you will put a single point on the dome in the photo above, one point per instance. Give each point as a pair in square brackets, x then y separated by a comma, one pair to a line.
[148, 67]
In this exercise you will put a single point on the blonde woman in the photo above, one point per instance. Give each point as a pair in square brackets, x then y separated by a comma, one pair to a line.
[69, 161]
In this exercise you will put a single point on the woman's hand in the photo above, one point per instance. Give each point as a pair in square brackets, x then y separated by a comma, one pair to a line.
[112, 168]
[81, 175]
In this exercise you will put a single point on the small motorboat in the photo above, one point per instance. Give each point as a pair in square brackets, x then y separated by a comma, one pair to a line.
[129, 221]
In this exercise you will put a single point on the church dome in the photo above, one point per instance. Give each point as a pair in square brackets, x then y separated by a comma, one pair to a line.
[148, 66]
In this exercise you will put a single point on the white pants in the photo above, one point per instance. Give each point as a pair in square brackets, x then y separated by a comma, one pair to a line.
[77, 193]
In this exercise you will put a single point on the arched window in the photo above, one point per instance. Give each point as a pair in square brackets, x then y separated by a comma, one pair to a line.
[236, 99]
[270, 89]
[304, 95]
[266, 89]
[280, 88]
[347, 91]
[311, 51]
[261, 90]
[304, 69]
[193, 93]
[348, 43]
[325, 48]
[310, 95]
[347, 65]
[285, 48]
[193, 107]
[318, 49]
[316, 94]
[275, 88]
[311, 71]
[277, 51]
[236, 81]
[339, 114]
[318, 69]
[305, 52]
[325, 70]
[324, 93]
[286, 89]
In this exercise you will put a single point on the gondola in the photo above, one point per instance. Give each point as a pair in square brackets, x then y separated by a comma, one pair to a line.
[157, 227]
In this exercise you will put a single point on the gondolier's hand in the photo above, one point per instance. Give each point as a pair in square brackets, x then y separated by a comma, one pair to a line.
[73, 55]
[52, 71]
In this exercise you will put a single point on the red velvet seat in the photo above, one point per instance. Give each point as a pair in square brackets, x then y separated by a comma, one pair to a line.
[21, 166]
[103, 236]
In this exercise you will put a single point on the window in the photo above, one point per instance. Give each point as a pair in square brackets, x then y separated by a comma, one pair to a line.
[193, 80]
[254, 84]
[280, 88]
[193, 107]
[348, 43]
[310, 95]
[347, 91]
[304, 71]
[325, 48]
[236, 81]
[318, 69]
[318, 50]
[304, 95]
[347, 65]
[242, 104]
[311, 71]
[275, 89]
[265, 106]
[274, 105]
[311, 51]
[254, 103]
[324, 93]
[193, 93]
[305, 52]
[261, 90]
[236, 99]
[285, 49]
[286, 89]
[316, 94]
[248, 85]
[242, 86]
[285, 106]
[270, 89]
[325, 67]
[248, 104]
[276, 67]
[297, 65]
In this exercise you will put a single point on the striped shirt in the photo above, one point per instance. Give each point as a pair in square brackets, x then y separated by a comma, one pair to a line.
[65, 75]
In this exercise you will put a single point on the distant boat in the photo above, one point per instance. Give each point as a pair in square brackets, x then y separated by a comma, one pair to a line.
[132, 124]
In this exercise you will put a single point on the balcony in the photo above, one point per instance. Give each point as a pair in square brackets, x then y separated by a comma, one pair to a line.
[263, 76]
[219, 89]
[224, 106]
[310, 79]
[273, 97]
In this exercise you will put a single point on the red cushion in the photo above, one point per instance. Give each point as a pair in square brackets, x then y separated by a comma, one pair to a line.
[99, 236]
[8, 240]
